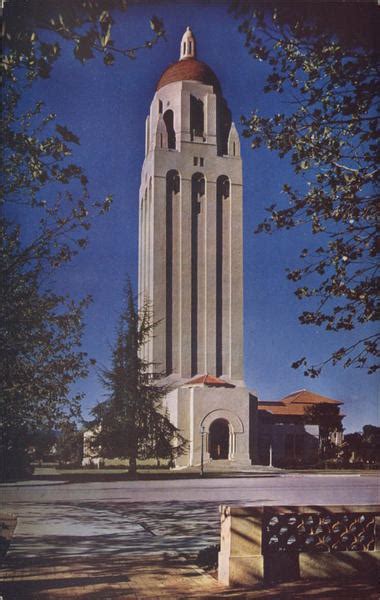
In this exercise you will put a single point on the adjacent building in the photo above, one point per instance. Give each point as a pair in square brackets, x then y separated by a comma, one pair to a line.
[290, 431]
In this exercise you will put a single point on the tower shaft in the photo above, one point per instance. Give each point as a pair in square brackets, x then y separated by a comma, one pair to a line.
[190, 227]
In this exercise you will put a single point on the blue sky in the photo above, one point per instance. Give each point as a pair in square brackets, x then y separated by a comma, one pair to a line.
[106, 108]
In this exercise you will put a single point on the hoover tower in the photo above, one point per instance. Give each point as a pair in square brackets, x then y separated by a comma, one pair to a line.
[191, 255]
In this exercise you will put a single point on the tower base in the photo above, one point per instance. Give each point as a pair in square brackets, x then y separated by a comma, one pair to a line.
[218, 422]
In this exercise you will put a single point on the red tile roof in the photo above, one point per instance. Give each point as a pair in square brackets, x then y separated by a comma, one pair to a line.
[210, 381]
[189, 69]
[275, 409]
[295, 404]
[307, 397]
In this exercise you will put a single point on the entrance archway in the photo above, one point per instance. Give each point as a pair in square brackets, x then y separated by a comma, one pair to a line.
[219, 439]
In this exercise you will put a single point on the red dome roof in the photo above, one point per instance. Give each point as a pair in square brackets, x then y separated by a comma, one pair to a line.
[189, 69]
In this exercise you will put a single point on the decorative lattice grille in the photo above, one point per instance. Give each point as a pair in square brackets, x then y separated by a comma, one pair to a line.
[319, 532]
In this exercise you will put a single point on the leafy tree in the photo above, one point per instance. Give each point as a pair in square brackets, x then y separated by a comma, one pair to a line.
[364, 446]
[322, 58]
[352, 447]
[47, 211]
[35, 29]
[69, 446]
[43, 225]
[328, 419]
[371, 443]
[42, 443]
[40, 354]
[130, 423]
[37, 148]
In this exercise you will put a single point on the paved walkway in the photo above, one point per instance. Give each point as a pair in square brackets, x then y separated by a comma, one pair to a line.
[151, 577]
[107, 578]
[101, 541]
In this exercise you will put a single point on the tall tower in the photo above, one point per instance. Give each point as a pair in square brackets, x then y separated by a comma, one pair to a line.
[191, 261]
[190, 225]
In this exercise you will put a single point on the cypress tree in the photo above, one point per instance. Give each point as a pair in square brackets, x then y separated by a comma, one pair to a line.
[132, 423]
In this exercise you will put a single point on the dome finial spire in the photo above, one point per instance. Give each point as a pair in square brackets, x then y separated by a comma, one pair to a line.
[187, 45]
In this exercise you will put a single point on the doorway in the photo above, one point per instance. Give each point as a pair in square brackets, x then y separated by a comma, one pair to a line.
[219, 439]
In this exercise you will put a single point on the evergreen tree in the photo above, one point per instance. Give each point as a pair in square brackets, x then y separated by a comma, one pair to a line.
[164, 440]
[131, 423]
[69, 444]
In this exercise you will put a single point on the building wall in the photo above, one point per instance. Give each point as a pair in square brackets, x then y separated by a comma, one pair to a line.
[290, 442]
[197, 407]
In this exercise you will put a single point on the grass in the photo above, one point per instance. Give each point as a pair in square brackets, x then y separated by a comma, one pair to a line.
[84, 474]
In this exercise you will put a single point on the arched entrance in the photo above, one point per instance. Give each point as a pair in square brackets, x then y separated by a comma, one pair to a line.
[219, 439]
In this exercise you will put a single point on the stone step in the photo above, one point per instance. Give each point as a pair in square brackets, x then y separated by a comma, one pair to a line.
[230, 465]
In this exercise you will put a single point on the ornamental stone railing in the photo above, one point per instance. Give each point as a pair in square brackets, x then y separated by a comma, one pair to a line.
[286, 543]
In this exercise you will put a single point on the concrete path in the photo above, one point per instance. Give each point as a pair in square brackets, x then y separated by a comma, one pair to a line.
[138, 539]
[153, 578]
[116, 577]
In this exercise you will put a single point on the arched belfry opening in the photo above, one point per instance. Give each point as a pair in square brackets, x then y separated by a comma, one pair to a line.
[219, 439]
[169, 122]
[223, 126]
[196, 117]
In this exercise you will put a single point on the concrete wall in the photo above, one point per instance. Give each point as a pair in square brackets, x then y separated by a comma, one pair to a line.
[244, 562]
[192, 408]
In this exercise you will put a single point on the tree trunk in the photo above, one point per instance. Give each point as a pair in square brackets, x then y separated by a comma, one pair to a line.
[132, 466]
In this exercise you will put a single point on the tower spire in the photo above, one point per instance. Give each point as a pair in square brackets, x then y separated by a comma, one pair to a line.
[188, 49]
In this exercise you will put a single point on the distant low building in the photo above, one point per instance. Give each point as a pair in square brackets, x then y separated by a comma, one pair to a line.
[91, 456]
[287, 434]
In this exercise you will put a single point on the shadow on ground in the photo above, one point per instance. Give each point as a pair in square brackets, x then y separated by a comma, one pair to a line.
[144, 577]
[152, 577]
[97, 550]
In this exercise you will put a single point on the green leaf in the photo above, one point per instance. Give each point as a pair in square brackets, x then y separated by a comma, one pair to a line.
[66, 134]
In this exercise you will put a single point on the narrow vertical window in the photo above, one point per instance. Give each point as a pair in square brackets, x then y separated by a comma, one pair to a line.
[222, 193]
[172, 189]
[197, 197]
[196, 117]
[160, 107]
[201, 162]
[234, 149]
[169, 122]
[223, 127]
[195, 161]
